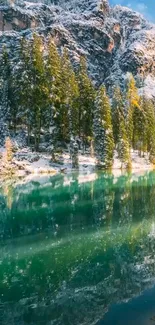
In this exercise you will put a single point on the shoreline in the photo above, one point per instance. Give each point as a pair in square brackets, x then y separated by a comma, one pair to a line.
[31, 164]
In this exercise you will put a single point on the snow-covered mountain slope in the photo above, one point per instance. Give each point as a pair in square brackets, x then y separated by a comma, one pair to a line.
[115, 40]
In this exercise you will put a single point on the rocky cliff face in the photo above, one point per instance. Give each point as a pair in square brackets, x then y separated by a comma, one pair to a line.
[116, 40]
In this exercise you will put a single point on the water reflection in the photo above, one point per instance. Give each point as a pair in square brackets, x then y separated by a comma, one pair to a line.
[139, 310]
[70, 248]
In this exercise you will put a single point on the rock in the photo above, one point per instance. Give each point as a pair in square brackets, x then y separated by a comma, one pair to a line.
[63, 170]
[33, 158]
[115, 40]
[28, 156]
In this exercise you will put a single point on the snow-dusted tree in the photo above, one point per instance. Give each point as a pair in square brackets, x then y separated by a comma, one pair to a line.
[39, 87]
[31, 90]
[103, 135]
[24, 89]
[117, 107]
[152, 149]
[70, 115]
[140, 128]
[5, 69]
[86, 102]
[74, 152]
[123, 147]
[52, 114]
[132, 101]
[69, 89]
[148, 107]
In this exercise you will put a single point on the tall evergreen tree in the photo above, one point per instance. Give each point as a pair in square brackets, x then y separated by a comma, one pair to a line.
[24, 91]
[86, 102]
[70, 104]
[123, 144]
[70, 93]
[53, 111]
[132, 99]
[5, 94]
[117, 108]
[148, 107]
[103, 135]
[139, 124]
[39, 85]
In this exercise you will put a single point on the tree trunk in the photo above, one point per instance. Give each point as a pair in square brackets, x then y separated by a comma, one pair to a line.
[92, 148]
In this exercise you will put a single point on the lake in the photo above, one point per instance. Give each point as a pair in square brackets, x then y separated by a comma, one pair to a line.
[78, 249]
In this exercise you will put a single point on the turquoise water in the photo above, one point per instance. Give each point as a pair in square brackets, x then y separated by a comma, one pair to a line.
[78, 249]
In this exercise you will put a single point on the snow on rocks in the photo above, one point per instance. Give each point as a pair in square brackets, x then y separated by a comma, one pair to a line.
[139, 164]
[39, 163]
[32, 162]
[115, 41]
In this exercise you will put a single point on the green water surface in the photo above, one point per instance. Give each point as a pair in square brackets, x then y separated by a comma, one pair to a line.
[71, 246]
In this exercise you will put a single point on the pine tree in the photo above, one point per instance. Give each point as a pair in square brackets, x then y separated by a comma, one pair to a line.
[53, 112]
[14, 108]
[123, 144]
[70, 104]
[24, 88]
[132, 103]
[86, 102]
[139, 124]
[5, 94]
[152, 148]
[39, 85]
[70, 93]
[148, 107]
[9, 106]
[73, 95]
[74, 152]
[117, 108]
[103, 135]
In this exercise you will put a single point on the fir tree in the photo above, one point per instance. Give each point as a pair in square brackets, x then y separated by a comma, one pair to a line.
[24, 91]
[74, 152]
[117, 108]
[73, 95]
[148, 107]
[152, 149]
[123, 144]
[5, 94]
[132, 103]
[86, 102]
[103, 135]
[39, 87]
[70, 98]
[70, 93]
[14, 108]
[139, 124]
[53, 112]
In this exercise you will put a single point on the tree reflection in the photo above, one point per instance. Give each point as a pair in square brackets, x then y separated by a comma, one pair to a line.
[71, 248]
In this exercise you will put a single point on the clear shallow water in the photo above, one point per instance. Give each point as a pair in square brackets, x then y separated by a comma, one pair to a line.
[74, 251]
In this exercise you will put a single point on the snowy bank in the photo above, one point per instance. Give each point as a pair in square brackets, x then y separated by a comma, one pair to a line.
[34, 163]
[138, 163]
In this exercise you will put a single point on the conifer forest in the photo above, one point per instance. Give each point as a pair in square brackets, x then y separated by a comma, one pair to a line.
[49, 97]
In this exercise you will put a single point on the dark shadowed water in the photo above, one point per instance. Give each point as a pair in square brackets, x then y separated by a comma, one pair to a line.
[78, 249]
